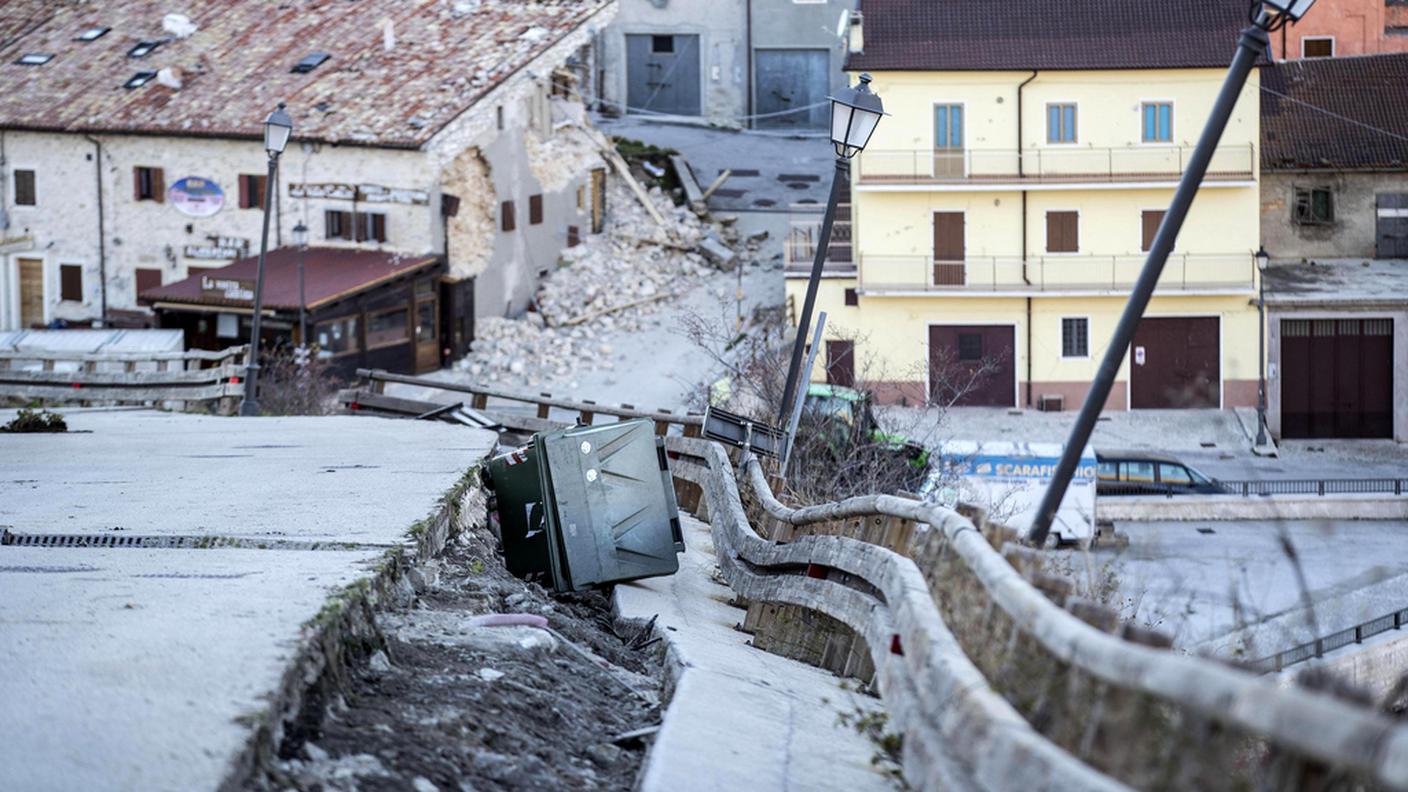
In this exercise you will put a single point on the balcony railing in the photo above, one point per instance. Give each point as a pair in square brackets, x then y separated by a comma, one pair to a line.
[1055, 165]
[799, 248]
[1183, 272]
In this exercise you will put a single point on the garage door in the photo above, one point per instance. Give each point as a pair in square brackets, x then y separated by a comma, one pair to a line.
[791, 88]
[1174, 363]
[1336, 378]
[973, 365]
[1392, 237]
[662, 74]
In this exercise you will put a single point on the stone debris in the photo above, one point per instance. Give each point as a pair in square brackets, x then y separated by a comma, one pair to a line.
[617, 281]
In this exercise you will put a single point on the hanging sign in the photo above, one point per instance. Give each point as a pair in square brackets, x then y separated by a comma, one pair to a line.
[196, 197]
[367, 193]
[240, 289]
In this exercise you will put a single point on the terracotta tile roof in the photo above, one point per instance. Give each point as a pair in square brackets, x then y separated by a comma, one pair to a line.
[447, 54]
[328, 274]
[985, 35]
[1370, 89]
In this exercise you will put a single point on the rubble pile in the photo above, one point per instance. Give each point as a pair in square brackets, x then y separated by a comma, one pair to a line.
[616, 281]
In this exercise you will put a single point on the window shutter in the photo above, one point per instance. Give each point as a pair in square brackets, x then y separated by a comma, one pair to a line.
[137, 184]
[535, 209]
[244, 191]
[361, 221]
[506, 216]
[71, 282]
[158, 185]
[379, 227]
[332, 224]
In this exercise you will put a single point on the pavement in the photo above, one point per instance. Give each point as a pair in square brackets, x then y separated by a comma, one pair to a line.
[741, 718]
[1228, 586]
[772, 170]
[149, 667]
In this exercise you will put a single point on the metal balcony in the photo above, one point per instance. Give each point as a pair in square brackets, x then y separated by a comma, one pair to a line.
[799, 249]
[917, 274]
[1055, 165]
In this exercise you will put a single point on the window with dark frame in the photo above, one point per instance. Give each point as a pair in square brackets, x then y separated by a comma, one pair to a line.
[506, 216]
[535, 209]
[574, 236]
[370, 227]
[337, 337]
[389, 327]
[148, 184]
[147, 278]
[252, 188]
[1313, 206]
[1062, 232]
[24, 188]
[852, 297]
[71, 282]
[970, 346]
[1075, 337]
[1317, 48]
[337, 225]
[662, 45]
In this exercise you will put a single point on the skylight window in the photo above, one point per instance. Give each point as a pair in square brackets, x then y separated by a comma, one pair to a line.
[35, 59]
[139, 79]
[93, 33]
[310, 62]
[143, 49]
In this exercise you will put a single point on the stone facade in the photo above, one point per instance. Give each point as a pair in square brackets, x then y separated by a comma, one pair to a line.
[1352, 231]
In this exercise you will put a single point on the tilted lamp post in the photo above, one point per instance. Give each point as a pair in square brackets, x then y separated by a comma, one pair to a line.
[1262, 259]
[854, 113]
[277, 129]
[1266, 16]
[300, 238]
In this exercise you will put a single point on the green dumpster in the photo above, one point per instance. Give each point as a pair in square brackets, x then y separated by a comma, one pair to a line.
[588, 505]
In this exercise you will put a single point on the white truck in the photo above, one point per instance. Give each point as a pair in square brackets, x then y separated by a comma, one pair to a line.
[1008, 479]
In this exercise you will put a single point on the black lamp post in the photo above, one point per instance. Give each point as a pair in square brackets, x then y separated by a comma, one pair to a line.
[1262, 259]
[1266, 16]
[300, 238]
[277, 129]
[854, 113]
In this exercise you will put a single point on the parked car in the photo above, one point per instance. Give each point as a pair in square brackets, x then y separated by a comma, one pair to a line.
[1146, 473]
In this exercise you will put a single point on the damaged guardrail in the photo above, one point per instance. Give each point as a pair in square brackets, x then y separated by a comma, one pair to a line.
[959, 731]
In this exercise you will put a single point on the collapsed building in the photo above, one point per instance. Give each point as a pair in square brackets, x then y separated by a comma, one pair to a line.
[443, 132]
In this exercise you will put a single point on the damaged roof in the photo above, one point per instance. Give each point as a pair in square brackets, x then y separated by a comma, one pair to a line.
[330, 274]
[1327, 113]
[444, 55]
[982, 35]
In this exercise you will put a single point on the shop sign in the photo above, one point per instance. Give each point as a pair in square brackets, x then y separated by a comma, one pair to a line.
[220, 247]
[366, 193]
[238, 289]
[196, 197]
[16, 244]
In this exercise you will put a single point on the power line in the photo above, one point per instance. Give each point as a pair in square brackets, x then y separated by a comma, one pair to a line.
[1333, 114]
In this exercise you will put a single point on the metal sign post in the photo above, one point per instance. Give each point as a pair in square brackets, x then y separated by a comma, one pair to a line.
[801, 395]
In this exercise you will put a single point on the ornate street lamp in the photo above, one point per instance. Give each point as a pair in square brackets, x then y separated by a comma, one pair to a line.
[277, 129]
[300, 238]
[855, 111]
[1266, 16]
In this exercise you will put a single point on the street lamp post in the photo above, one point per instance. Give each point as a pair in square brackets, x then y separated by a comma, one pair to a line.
[300, 238]
[277, 129]
[1266, 16]
[854, 113]
[1262, 259]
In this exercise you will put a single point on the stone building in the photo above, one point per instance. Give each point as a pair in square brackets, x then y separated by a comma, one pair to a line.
[768, 64]
[131, 155]
[1335, 28]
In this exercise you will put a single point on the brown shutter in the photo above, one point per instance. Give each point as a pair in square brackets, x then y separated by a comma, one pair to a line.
[245, 200]
[330, 229]
[158, 185]
[137, 184]
[379, 227]
[950, 249]
[71, 282]
[506, 216]
[1150, 220]
[361, 221]
[147, 279]
[535, 209]
[574, 236]
[24, 188]
[1061, 232]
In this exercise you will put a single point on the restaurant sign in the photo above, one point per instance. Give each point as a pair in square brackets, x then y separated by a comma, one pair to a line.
[238, 289]
[196, 197]
[365, 193]
[220, 247]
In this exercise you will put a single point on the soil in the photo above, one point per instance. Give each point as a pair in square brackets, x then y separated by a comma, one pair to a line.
[450, 706]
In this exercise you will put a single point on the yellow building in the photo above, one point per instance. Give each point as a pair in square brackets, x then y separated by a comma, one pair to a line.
[1000, 213]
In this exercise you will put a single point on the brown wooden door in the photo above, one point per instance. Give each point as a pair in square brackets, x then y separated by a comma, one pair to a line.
[427, 325]
[1150, 221]
[950, 249]
[1175, 363]
[841, 363]
[1336, 378]
[973, 365]
[31, 291]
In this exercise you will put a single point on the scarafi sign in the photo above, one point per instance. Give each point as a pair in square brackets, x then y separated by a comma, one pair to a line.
[196, 197]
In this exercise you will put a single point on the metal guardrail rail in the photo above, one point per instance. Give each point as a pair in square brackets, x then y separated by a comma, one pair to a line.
[1269, 487]
[124, 378]
[1335, 640]
[958, 731]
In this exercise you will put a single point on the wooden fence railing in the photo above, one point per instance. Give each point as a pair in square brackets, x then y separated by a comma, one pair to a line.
[1067, 697]
[124, 378]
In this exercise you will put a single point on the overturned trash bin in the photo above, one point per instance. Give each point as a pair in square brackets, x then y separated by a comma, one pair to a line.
[588, 505]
